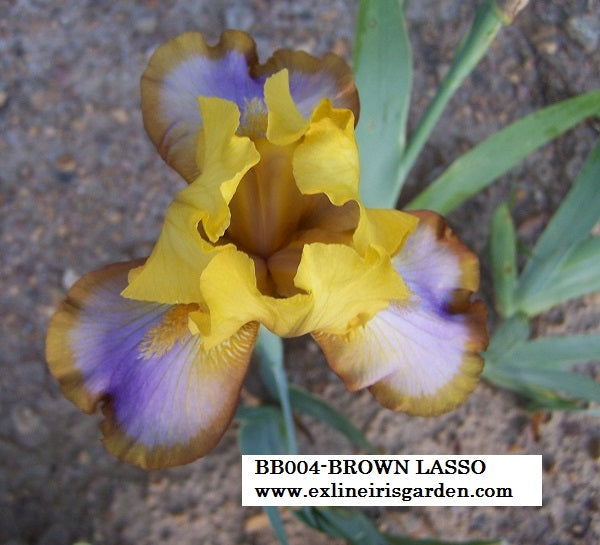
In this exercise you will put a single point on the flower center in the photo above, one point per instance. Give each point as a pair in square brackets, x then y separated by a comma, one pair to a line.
[271, 220]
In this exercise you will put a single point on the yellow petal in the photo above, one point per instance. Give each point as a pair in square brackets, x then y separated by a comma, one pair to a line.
[347, 288]
[326, 161]
[313, 79]
[342, 289]
[172, 272]
[382, 227]
[285, 122]
[227, 157]
[229, 289]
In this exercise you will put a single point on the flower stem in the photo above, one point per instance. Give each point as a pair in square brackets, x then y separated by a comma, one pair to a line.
[270, 351]
[489, 19]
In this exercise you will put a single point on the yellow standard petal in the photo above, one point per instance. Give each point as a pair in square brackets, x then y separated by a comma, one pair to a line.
[227, 157]
[285, 122]
[172, 272]
[326, 161]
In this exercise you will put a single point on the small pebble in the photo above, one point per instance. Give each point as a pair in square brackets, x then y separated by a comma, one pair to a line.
[66, 164]
[3, 99]
[585, 30]
[256, 523]
[120, 116]
[69, 278]
[146, 25]
[581, 525]
[549, 48]
[25, 420]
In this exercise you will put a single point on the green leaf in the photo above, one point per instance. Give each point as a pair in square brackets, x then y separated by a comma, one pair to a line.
[572, 384]
[276, 523]
[576, 216]
[496, 155]
[262, 430]
[383, 74]
[554, 353]
[510, 334]
[269, 349]
[348, 524]
[539, 369]
[395, 540]
[577, 276]
[504, 260]
[357, 529]
[305, 402]
[565, 260]
[486, 24]
[538, 397]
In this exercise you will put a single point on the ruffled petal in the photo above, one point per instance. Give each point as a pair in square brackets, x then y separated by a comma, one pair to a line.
[285, 122]
[180, 71]
[339, 289]
[166, 400]
[437, 265]
[326, 161]
[389, 229]
[229, 288]
[227, 157]
[314, 79]
[420, 356]
[347, 288]
[172, 272]
[185, 68]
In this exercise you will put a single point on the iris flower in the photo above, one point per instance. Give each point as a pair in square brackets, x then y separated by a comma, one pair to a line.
[269, 230]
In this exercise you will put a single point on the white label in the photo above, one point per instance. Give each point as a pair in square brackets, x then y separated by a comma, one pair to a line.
[362, 480]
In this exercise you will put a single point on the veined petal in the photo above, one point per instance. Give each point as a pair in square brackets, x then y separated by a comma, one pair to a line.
[314, 79]
[166, 400]
[180, 71]
[285, 122]
[437, 265]
[420, 356]
[326, 161]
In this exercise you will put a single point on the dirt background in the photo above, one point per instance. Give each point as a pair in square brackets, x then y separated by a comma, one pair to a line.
[83, 187]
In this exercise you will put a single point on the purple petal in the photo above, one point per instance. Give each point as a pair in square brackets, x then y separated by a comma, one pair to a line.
[166, 400]
[421, 355]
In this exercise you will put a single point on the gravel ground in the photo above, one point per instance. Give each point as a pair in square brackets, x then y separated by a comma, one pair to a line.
[82, 187]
